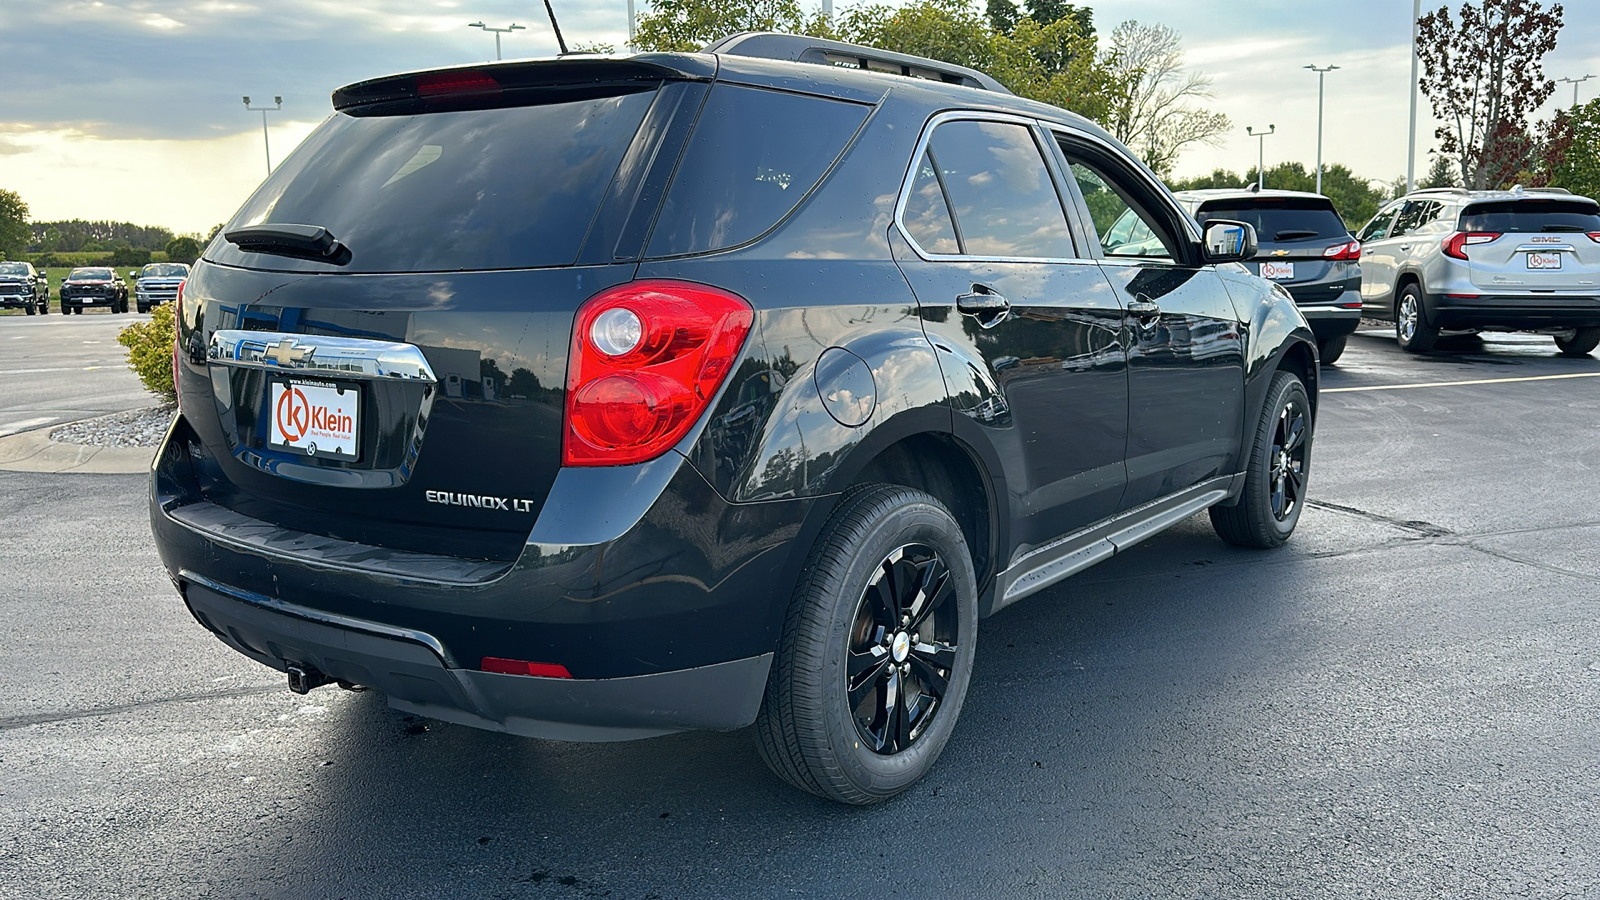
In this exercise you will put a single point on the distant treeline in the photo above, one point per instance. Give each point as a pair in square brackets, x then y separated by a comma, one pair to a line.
[78, 236]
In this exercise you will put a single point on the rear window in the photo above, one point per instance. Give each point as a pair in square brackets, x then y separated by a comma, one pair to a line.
[753, 156]
[1525, 216]
[512, 187]
[1279, 221]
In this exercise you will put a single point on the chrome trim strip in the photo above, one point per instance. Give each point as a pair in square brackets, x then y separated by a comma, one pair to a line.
[324, 618]
[304, 354]
[1072, 553]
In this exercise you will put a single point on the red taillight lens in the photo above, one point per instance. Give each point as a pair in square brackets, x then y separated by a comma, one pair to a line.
[522, 667]
[177, 329]
[1455, 245]
[646, 359]
[1595, 236]
[1348, 251]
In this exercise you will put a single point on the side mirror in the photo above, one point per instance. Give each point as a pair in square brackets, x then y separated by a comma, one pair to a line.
[1225, 241]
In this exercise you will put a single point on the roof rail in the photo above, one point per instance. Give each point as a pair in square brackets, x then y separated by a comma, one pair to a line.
[1441, 190]
[800, 48]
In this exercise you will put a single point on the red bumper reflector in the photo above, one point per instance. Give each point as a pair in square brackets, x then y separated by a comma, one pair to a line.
[1350, 305]
[523, 667]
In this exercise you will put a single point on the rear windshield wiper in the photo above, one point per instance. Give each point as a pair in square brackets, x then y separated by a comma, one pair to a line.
[311, 242]
[1294, 234]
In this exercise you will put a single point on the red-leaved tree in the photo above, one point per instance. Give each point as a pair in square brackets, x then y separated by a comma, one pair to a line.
[1483, 72]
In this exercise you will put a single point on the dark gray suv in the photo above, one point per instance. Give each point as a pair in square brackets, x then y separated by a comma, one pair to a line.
[1304, 246]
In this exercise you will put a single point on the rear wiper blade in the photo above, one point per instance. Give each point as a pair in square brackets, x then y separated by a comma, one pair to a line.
[311, 242]
[1293, 234]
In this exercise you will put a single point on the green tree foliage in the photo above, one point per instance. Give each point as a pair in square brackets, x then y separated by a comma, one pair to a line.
[76, 235]
[1483, 72]
[1442, 173]
[1579, 168]
[150, 351]
[688, 25]
[14, 231]
[183, 249]
[946, 30]
[129, 256]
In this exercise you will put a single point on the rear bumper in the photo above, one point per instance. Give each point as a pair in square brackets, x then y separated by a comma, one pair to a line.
[1525, 312]
[413, 671]
[1333, 320]
[655, 593]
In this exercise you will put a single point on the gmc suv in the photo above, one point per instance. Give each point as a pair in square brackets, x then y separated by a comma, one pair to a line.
[601, 398]
[1449, 259]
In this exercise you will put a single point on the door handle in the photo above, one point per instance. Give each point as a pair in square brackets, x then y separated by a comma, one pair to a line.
[1405, 246]
[1144, 308]
[984, 303]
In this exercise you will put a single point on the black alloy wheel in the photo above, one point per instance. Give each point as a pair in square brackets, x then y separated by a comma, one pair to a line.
[1274, 492]
[876, 651]
[902, 648]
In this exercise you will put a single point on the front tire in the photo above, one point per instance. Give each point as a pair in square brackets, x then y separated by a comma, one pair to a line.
[32, 309]
[1411, 328]
[876, 651]
[1331, 349]
[1582, 342]
[1274, 491]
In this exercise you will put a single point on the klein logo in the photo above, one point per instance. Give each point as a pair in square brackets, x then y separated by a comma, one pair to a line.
[296, 416]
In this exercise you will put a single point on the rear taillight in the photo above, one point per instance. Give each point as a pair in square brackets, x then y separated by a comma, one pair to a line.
[177, 329]
[646, 359]
[1352, 250]
[1595, 236]
[1455, 245]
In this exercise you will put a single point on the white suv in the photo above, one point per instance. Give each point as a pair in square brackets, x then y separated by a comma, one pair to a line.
[1449, 259]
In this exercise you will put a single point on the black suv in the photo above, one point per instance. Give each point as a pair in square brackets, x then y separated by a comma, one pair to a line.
[1304, 246]
[601, 398]
[21, 287]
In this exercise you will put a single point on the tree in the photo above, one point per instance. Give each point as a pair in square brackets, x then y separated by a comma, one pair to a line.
[1152, 101]
[1441, 174]
[1483, 73]
[688, 25]
[14, 230]
[1579, 168]
[947, 30]
[129, 256]
[183, 249]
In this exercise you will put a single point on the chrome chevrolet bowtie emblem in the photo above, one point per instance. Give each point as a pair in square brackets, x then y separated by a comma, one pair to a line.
[1280, 253]
[285, 353]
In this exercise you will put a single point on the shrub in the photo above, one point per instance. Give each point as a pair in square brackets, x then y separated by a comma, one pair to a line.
[150, 351]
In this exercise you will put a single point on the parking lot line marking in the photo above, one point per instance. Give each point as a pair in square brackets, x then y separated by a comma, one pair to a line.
[56, 369]
[1434, 384]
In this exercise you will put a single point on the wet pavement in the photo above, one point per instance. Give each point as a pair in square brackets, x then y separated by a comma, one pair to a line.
[1403, 702]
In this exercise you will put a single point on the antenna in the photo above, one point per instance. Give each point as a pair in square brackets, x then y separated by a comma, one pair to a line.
[560, 41]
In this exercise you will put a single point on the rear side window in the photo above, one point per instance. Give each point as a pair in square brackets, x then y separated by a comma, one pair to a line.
[512, 187]
[753, 156]
[1002, 196]
[1531, 216]
[1279, 221]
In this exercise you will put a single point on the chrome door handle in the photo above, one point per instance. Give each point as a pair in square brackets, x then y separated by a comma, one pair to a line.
[985, 304]
[1144, 309]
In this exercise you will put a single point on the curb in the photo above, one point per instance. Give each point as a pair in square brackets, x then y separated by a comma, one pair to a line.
[33, 451]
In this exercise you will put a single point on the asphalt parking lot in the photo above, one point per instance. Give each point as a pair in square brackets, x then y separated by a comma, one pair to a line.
[1403, 702]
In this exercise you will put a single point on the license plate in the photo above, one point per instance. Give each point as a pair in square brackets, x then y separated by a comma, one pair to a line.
[1544, 260]
[315, 418]
[1277, 271]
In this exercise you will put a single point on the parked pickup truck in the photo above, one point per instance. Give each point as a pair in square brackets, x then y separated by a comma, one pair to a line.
[158, 283]
[21, 287]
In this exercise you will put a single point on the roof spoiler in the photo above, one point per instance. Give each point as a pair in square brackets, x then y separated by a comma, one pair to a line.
[824, 52]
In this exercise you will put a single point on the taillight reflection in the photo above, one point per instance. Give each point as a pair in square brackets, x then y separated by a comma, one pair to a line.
[646, 359]
[177, 341]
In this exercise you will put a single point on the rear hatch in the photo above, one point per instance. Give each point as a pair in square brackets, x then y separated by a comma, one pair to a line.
[1533, 244]
[406, 391]
[1296, 236]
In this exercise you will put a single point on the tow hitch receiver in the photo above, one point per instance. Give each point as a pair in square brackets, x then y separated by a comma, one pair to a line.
[302, 680]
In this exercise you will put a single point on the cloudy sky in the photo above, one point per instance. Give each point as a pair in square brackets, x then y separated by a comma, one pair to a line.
[130, 109]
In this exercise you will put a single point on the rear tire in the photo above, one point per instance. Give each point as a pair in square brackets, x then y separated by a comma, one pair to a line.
[1411, 328]
[32, 309]
[1280, 463]
[1331, 349]
[1582, 342]
[863, 631]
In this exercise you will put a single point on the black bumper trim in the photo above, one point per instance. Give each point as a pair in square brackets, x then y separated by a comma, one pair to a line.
[411, 670]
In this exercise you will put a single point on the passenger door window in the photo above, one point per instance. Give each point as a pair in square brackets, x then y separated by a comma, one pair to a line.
[1376, 229]
[1124, 229]
[1001, 200]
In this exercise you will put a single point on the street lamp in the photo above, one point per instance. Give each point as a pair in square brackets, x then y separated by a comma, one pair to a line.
[1261, 153]
[1411, 141]
[497, 33]
[264, 110]
[1575, 82]
[1321, 73]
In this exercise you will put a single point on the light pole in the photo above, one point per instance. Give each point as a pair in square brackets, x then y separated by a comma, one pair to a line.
[1261, 153]
[497, 33]
[1411, 146]
[1321, 73]
[264, 110]
[1575, 82]
[631, 24]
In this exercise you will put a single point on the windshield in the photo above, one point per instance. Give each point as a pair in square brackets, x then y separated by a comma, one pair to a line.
[90, 274]
[164, 270]
[13, 268]
[1280, 220]
[1535, 216]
